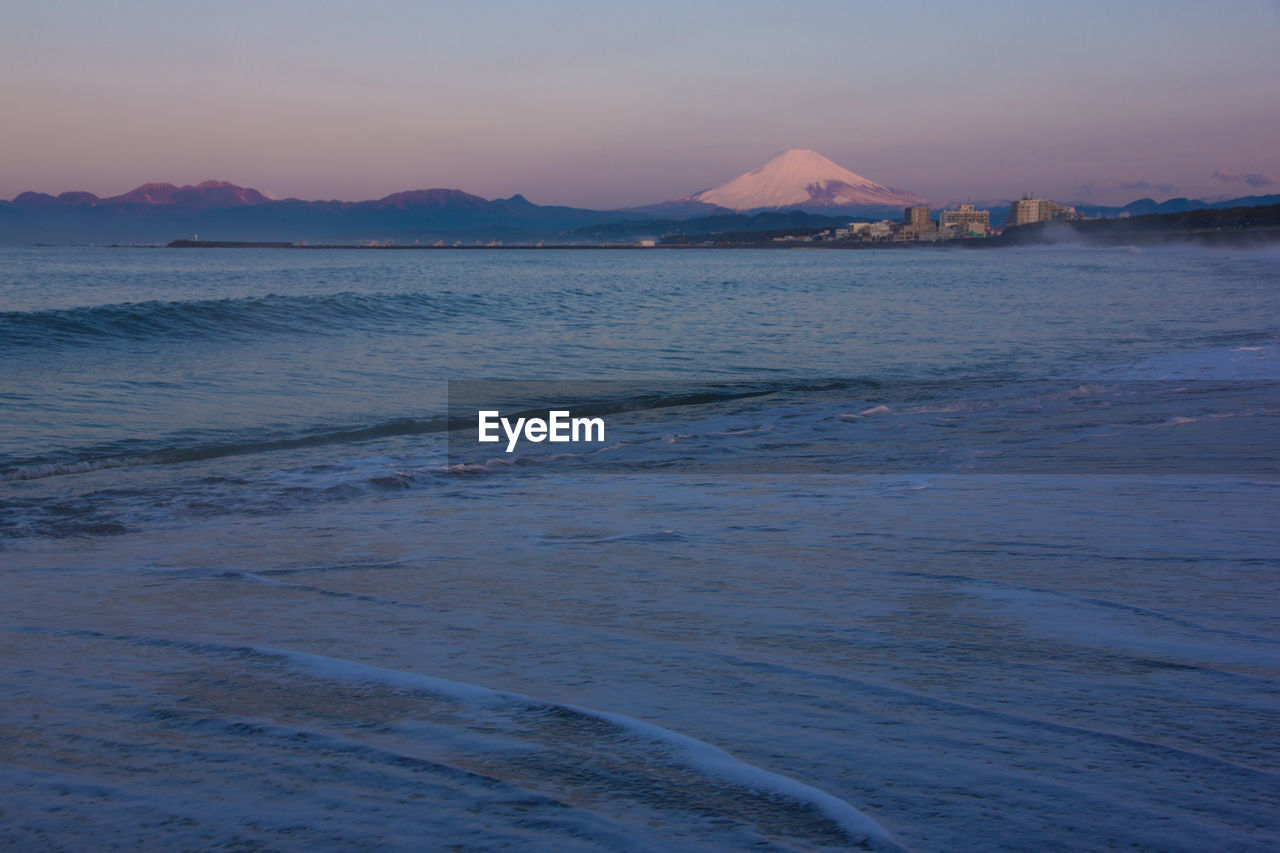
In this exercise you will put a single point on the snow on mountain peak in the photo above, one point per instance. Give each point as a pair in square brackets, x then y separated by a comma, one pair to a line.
[800, 177]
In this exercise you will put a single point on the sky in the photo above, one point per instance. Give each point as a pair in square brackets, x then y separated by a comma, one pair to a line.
[608, 105]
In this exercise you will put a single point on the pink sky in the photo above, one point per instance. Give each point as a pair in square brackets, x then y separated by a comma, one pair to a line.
[571, 103]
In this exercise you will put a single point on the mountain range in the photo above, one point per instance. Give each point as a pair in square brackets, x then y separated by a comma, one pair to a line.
[796, 181]
[214, 210]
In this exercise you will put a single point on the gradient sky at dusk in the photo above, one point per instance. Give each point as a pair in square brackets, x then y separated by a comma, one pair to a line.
[604, 105]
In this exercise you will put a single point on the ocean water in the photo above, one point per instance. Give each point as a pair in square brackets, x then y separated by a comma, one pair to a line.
[924, 550]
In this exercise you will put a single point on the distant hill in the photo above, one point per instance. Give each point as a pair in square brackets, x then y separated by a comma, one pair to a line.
[1210, 225]
[1145, 206]
[158, 213]
[205, 196]
[1141, 207]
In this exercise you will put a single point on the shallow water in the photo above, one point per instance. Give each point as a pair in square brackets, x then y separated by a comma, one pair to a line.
[963, 550]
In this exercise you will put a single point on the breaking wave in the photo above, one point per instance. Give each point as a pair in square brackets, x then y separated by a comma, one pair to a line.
[238, 318]
[636, 399]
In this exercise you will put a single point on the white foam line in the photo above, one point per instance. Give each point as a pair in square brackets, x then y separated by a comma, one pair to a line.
[338, 668]
[715, 762]
[55, 469]
[256, 578]
[696, 754]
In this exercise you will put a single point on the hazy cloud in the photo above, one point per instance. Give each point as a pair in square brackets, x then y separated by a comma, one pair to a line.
[1167, 188]
[1255, 179]
[1136, 185]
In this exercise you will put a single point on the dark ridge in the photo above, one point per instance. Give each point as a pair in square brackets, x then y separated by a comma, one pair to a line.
[1209, 226]
[226, 244]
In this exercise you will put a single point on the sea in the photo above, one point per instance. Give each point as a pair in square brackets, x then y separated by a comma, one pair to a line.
[932, 550]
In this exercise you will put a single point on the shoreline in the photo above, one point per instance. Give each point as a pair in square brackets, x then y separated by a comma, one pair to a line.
[1232, 227]
[1238, 237]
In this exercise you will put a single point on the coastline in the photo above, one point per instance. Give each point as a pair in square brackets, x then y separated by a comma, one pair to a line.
[1244, 226]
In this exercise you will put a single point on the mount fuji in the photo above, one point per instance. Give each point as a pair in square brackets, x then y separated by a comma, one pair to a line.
[799, 178]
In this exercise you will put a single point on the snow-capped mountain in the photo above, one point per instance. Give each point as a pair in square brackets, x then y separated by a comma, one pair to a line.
[802, 178]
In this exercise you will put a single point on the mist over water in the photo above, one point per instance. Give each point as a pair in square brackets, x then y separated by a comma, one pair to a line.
[942, 550]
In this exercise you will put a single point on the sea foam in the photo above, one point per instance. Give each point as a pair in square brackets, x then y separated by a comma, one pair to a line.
[694, 754]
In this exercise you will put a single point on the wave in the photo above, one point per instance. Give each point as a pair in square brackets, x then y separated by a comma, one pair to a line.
[36, 470]
[633, 397]
[775, 408]
[697, 755]
[777, 423]
[569, 752]
[237, 317]
[1240, 361]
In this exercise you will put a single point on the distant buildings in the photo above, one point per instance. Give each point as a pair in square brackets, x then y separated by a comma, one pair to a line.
[881, 230]
[917, 216]
[1026, 210]
[917, 225]
[916, 221]
[966, 221]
